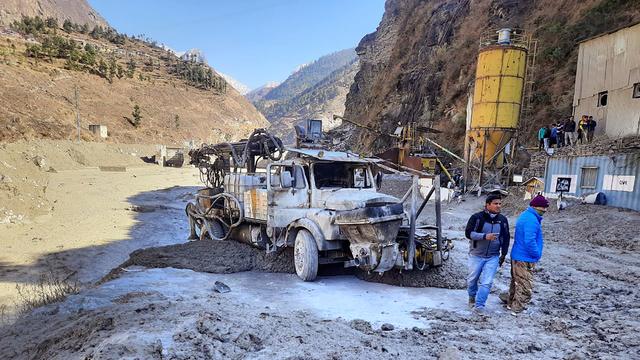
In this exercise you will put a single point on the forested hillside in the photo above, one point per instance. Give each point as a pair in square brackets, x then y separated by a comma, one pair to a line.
[139, 90]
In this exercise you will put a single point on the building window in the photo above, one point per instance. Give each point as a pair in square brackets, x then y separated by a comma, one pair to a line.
[636, 90]
[602, 98]
[588, 177]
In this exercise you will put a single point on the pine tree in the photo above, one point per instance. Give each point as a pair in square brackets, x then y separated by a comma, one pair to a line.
[68, 26]
[137, 117]
[131, 68]
[51, 23]
[103, 69]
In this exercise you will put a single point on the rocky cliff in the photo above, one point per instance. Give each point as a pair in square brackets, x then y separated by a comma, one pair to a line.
[420, 63]
[77, 11]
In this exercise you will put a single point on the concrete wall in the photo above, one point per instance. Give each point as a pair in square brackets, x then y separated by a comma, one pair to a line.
[100, 130]
[610, 63]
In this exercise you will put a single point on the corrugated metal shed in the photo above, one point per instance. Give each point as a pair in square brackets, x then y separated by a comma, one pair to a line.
[615, 175]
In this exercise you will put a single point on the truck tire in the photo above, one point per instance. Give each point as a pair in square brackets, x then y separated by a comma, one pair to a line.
[211, 229]
[305, 256]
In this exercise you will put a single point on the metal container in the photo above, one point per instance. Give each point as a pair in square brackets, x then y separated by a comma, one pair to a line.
[614, 175]
[497, 98]
[239, 184]
[504, 36]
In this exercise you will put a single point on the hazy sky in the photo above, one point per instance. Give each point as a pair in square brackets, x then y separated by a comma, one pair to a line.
[254, 41]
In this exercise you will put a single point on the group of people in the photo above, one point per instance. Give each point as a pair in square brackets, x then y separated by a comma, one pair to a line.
[567, 133]
[489, 239]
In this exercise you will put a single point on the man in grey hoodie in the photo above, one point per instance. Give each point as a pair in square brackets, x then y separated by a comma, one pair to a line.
[488, 232]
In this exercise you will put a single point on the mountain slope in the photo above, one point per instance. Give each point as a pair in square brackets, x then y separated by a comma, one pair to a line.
[178, 100]
[321, 101]
[316, 90]
[420, 62]
[77, 11]
[240, 87]
[259, 93]
[310, 74]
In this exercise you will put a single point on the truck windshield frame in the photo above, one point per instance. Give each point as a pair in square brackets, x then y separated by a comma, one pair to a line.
[338, 174]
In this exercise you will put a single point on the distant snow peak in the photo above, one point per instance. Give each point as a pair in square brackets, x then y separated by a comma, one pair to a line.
[242, 88]
[270, 84]
[174, 52]
[196, 55]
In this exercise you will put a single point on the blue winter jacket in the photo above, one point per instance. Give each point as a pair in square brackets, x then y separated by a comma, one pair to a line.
[527, 243]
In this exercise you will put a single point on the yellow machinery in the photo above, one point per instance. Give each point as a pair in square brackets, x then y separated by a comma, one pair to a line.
[497, 98]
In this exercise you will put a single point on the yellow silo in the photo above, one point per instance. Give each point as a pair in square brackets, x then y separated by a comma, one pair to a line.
[497, 98]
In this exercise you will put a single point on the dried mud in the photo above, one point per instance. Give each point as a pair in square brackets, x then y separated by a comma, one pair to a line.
[586, 304]
[596, 225]
[218, 257]
[225, 257]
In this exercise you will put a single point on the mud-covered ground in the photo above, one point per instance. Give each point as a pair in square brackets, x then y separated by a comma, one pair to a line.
[586, 304]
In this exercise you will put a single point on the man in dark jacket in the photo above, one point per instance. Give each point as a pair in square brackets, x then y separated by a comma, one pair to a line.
[591, 128]
[570, 132]
[488, 232]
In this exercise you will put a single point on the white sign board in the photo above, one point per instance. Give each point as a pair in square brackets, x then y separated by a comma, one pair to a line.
[517, 178]
[619, 182]
[573, 181]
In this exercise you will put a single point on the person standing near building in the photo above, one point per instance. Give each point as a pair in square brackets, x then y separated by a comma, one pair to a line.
[526, 252]
[591, 128]
[570, 131]
[582, 124]
[560, 127]
[541, 138]
[488, 234]
[554, 135]
[547, 137]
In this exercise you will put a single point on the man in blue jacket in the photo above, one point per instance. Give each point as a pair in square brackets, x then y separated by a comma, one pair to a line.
[526, 252]
[488, 232]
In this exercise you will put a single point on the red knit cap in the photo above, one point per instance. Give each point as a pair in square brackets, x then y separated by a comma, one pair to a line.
[539, 201]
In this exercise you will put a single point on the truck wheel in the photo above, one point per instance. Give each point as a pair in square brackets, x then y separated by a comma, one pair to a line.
[212, 229]
[305, 256]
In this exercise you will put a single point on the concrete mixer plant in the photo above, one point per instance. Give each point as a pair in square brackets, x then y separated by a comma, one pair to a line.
[498, 104]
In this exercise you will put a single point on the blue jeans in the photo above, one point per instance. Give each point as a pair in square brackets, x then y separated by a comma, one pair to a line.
[480, 278]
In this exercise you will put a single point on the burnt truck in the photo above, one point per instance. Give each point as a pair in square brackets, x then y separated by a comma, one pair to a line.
[325, 204]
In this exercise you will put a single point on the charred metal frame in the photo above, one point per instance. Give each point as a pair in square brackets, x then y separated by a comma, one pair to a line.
[372, 227]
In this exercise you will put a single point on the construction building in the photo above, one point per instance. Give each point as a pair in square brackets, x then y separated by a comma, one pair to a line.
[608, 82]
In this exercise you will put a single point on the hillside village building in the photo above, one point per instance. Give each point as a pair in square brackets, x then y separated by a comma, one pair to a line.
[608, 82]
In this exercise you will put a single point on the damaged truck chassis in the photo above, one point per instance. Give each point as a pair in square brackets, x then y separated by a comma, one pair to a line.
[322, 203]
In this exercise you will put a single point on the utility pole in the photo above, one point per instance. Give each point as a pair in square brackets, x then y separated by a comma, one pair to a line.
[77, 113]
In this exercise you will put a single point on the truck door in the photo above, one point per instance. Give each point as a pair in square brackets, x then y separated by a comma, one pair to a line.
[287, 193]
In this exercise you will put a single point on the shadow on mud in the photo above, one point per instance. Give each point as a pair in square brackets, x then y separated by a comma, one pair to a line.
[159, 221]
